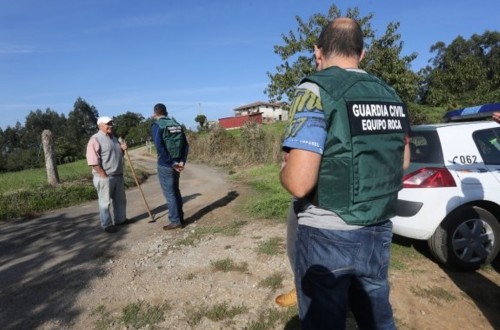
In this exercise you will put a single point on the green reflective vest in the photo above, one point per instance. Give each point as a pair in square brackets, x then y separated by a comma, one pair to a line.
[361, 169]
[173, 136]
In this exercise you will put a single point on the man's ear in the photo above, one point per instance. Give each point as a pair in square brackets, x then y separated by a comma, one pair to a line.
[318, 56]
[362, 55]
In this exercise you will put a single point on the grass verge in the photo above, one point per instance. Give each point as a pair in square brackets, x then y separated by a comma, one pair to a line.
[26, 193]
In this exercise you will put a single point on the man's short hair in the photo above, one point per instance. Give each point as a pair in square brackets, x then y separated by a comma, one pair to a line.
[160, 109]
[343, 37]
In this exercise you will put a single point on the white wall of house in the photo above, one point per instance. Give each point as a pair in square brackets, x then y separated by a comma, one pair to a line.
[270, 112]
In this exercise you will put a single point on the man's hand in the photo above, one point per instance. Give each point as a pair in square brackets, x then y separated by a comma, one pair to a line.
[178, 166]
[496, 116]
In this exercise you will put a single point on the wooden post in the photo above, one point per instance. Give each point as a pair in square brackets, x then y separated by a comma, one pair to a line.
[50, 157]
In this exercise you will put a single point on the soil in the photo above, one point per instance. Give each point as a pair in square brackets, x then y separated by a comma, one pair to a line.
[61, 271]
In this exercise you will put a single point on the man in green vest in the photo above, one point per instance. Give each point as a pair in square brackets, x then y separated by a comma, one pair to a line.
[172, 149]
[345, 151]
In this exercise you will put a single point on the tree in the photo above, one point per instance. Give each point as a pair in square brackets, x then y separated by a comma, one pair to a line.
[383, 55]
[124, 123]
[201, 120]
[464, 73]
[81, 125]
[140, 133]
[383, 59]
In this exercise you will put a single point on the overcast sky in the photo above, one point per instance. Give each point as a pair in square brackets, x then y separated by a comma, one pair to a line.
[196, 56]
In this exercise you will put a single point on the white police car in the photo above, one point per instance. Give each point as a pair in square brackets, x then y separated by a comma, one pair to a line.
[451, 192]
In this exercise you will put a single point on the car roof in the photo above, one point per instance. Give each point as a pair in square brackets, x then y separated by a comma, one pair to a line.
[463, 124]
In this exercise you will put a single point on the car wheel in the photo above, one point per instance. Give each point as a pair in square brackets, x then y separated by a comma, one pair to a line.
[467, 238]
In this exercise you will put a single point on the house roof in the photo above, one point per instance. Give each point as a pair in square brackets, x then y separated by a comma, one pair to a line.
[259, 103]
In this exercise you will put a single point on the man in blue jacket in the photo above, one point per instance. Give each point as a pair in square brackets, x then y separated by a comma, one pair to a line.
[172, 149]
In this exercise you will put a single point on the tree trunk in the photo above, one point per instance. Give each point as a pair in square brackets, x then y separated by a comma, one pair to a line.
[50, 157]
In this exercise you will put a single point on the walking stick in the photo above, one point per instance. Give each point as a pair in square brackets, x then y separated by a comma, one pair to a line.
[137, 182]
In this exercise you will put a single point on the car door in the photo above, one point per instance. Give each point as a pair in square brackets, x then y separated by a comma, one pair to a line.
[488, 143]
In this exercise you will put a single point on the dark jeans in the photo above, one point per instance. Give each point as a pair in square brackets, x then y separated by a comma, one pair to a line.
[169, 182]
[340, 269]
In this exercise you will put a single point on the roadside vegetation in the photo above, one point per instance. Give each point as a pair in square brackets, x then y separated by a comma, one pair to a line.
[25, 194]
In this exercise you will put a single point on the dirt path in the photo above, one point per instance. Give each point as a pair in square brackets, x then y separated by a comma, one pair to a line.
[58, 270]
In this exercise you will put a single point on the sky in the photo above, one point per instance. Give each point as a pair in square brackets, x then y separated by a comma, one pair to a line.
[195, 56]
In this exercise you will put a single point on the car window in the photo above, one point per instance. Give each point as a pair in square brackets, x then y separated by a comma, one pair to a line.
[425, 147]
[488, 143]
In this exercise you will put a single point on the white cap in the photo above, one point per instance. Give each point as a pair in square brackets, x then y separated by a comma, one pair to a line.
[104, 120]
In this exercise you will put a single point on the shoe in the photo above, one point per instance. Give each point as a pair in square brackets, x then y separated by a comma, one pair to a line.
[287, 299]
[126, 222]
[172, 226]
[111, 229]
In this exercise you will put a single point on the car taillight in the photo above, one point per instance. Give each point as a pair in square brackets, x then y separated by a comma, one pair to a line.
[429, 177]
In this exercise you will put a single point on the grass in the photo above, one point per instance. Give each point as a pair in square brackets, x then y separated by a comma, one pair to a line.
[136, 315]
[402, 253]
[217, 313]
[26, 193]
[271, 247]
[273, 281]
[434, 294]
[141, 314]
[270, 317]
[228, 265]
[271, 200]
[103, 318]
[231, 229]
[35, 178]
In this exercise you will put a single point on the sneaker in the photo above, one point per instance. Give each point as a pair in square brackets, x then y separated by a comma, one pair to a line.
[111, 229]
[172, 226]
[287, 299]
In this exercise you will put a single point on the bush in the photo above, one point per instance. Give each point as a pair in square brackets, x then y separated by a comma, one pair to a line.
[253, 144]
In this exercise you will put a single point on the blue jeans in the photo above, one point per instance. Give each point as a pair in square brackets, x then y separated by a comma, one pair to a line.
[336, 270]
[111, 190]
[169, 182]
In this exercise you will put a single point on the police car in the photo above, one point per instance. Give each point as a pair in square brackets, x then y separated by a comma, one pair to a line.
[451, 192]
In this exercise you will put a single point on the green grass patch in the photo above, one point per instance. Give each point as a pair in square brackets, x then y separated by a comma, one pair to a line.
[434, 294]
[217, 313]
[270, 318]
[273, 281]
[271, 200]
[136, 315]
[228, 265]
[35, 178]
[223, 311]
[141, 314]
[103, 318]
[271, 247]
[231, 229]
[402, 256]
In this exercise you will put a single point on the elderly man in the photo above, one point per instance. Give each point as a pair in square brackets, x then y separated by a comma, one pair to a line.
[105, 156]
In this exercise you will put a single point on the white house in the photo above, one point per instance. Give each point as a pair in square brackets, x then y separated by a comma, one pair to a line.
[271, 112]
